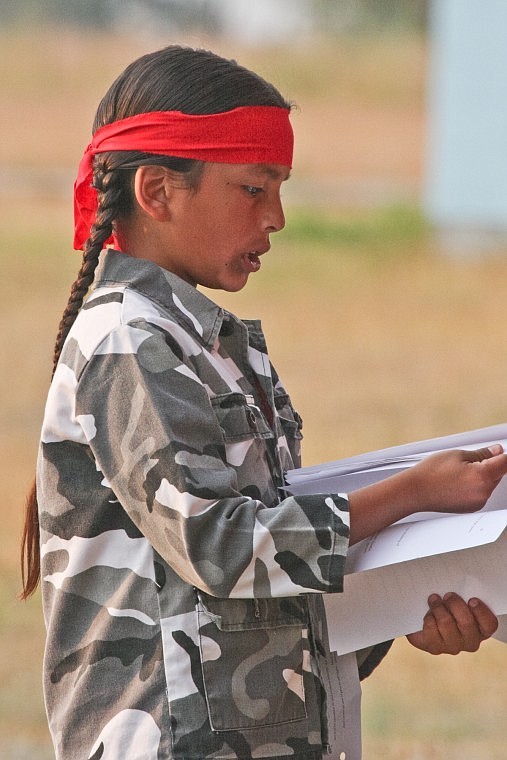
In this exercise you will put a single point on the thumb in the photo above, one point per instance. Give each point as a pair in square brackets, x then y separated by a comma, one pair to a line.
[495, 462]
[495, 449]
[479, 455]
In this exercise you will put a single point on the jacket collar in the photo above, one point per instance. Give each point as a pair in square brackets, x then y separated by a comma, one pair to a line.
[186, 304]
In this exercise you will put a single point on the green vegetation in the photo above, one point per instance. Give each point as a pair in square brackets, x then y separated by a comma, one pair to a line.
[384, 227]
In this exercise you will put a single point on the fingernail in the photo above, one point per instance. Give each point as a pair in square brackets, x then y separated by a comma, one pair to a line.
[434, 599]
[473, 602]
[495, 449]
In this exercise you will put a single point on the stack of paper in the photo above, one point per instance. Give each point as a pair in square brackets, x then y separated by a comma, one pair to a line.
[390, 575]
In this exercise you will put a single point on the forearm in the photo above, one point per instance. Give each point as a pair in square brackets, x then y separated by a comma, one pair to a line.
[376, 506]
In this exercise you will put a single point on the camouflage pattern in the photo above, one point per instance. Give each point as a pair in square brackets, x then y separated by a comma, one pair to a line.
[179, 585]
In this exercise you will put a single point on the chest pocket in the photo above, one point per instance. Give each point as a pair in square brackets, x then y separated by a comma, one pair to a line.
[252, 655]
[239, 417]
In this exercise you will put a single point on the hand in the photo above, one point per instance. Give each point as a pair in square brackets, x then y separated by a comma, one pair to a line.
[448, 481]
[458, 481]
[452, 626]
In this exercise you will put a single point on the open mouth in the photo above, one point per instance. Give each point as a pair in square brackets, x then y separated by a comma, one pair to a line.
[254, 261]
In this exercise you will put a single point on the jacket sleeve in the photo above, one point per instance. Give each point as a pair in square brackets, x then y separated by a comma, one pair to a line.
[368, 659]
[157, 441]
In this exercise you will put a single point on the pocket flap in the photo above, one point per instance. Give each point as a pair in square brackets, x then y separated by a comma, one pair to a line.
[238, 418]
[250, 614]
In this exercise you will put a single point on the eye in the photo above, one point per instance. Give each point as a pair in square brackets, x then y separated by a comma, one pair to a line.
[252, 190]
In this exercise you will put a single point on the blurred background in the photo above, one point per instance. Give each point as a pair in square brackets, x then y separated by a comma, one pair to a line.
[383, 300]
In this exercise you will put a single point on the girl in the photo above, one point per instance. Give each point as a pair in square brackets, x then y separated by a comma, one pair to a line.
[182, 594]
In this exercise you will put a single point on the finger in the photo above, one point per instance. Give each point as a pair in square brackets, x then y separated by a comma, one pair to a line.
[485, 618]
[491, 460]
[428, 638]
[478, 455]
[448, 628]
[451, 626]
[486, 453]
[496, 465]
[467, 632]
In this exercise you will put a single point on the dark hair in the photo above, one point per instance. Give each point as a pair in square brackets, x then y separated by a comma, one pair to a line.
[172, 79]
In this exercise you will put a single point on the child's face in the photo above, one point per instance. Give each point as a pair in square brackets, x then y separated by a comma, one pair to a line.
[217, 233]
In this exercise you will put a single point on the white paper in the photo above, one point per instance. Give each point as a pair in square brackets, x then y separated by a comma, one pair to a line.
[501, 633]
[407, 453]
[390, 601]
[390, 575]
[403, 542]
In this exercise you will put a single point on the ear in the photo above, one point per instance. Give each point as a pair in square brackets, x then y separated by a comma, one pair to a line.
[153, 188]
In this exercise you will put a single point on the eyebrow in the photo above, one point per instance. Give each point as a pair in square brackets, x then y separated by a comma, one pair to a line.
[273, 173]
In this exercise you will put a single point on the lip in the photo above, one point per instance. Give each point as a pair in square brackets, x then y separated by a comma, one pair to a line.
[252, 258]
[252, 261]
[258, 251]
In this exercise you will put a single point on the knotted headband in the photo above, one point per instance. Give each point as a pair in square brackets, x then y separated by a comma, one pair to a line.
[245, 135]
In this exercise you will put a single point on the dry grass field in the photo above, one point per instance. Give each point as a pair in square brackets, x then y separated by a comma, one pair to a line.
[380, 336]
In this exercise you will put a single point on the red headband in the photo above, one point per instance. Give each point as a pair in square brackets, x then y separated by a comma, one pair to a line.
[246, 135]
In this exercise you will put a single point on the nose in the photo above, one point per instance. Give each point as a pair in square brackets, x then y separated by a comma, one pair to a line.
[275, 218]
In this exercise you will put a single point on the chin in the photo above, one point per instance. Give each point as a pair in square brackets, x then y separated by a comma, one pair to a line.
[228, 286]
[234, 288]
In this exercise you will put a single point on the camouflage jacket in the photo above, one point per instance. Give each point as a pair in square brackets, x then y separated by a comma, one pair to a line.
[179, 584]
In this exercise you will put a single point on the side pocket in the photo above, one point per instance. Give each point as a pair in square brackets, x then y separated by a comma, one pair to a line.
[252, 660]
[290, 420]
[289, 433]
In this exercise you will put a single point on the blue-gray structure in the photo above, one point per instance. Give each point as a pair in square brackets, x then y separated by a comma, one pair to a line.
[466, 170]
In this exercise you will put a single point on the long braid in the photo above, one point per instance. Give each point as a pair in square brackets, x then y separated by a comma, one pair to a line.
[110, 194]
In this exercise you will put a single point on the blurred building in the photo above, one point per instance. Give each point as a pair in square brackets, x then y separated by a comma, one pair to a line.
[466, 172]
[264, 21]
